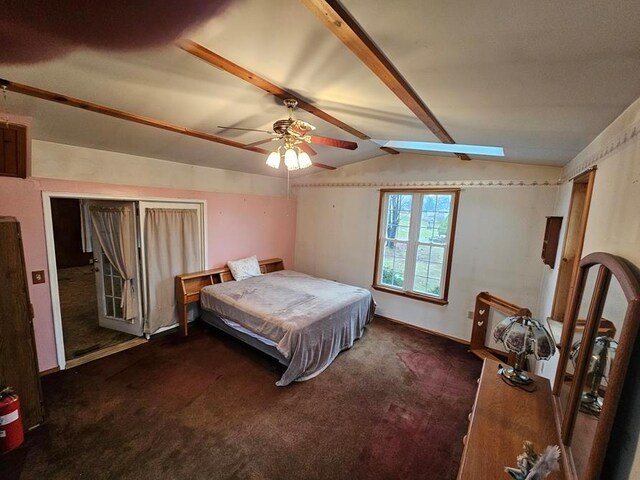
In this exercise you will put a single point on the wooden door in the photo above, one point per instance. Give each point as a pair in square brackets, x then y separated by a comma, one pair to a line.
[18, 361]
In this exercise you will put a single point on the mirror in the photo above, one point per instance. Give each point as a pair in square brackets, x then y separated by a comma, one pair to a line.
[598, 339]
[578, 330]
[598, 367]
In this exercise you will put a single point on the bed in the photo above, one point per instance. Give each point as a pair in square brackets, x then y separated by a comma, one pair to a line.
[302, 321]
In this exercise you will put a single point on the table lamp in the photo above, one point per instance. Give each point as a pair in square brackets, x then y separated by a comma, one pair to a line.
[523, 336]
[602, 355]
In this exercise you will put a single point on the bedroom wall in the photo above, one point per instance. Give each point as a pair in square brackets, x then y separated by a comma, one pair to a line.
[613, 227]
[498, 242]
[247, 214]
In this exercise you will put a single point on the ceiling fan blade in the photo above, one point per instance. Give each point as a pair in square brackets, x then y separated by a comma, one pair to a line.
[307, 148]
[248, 129]
[333, 142]
[260, 142]
[456, 148]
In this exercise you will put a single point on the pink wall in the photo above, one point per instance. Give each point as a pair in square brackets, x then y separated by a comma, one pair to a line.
[238, 225]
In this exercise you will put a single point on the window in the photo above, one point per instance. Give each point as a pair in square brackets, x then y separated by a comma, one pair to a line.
[415, 243]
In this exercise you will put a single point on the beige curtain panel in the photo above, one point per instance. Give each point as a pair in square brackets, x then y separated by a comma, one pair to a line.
[115, 229]
[172, 247]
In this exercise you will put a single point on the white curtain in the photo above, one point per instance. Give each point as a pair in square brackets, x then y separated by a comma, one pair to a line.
[172, 247]
[115, 229]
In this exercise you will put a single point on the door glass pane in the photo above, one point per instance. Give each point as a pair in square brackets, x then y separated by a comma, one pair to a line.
[117, 307]
[112, 289]
[109, 306]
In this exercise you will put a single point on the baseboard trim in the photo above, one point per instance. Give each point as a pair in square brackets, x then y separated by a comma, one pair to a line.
[425, 330]
[105, 352]
[49, 371]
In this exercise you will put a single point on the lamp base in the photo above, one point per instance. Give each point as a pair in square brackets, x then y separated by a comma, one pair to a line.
[516, 375]
[590, 403]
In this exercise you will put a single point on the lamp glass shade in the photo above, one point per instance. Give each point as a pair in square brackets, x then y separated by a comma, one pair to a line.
[291, 159]
[304, 160]
[524, 335]
[273, 160]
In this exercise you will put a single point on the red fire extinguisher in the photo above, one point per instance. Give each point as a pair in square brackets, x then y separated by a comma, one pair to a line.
[11, 432]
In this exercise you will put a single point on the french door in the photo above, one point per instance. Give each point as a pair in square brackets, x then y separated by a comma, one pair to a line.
[109, 282]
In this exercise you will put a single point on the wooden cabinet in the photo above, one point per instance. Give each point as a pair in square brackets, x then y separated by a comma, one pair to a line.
[18, 361]
[551, 240]
[503, 417]
[13, 151]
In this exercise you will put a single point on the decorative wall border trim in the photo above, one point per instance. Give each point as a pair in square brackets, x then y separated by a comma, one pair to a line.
[579, 165]
[442, 183]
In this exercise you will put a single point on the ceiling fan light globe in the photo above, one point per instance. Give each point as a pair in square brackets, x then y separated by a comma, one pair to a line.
[304, 160]
[291, 159]
[273, 160]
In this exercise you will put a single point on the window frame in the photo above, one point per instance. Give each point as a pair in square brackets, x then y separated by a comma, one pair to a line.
[413, 242]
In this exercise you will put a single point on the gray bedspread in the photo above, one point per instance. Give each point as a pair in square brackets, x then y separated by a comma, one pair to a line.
[311, 319]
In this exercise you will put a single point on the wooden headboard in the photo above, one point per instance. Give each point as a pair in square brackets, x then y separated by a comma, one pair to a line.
[188, 285]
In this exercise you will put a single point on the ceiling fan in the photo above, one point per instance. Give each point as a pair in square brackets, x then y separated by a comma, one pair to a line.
[296, 150]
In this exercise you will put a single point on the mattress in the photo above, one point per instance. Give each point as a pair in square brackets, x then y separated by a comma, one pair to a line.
[311, 320]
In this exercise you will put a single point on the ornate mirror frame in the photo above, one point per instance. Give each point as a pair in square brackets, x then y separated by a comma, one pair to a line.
[627, 275]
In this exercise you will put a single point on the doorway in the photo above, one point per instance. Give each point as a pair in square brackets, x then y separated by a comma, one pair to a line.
[577, 215]
[89, 288]
[122, 292]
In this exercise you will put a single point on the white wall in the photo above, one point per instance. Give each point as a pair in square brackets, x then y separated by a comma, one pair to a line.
[498, 238]
[69, 162]
[613, 227]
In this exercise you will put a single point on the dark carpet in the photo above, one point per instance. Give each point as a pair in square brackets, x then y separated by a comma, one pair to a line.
[79, 309]
[394, 406]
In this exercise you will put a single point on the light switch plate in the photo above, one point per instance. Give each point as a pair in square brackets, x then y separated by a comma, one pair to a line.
[37, 276]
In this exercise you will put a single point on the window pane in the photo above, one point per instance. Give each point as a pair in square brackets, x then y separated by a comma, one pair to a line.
[398, 216]
[393, 263]
[437, 255]
[420, 284]
[434, 222]
[118, 308]
[433, 287]
[428, 275]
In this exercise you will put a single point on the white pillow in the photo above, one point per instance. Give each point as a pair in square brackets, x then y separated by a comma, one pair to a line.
[244, 268]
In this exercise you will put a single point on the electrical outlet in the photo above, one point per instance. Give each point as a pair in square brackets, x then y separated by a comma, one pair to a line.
[37, 276]
[470, 315]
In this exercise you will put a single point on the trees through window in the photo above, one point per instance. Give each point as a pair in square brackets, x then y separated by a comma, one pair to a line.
[415, 242]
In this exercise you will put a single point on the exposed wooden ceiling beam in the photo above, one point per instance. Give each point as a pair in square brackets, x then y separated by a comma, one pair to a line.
[340, 22]
[131, 117]
[256, 80]
[228, 66]
[112, 112]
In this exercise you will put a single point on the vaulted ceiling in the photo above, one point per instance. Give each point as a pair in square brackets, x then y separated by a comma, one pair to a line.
[541, 79]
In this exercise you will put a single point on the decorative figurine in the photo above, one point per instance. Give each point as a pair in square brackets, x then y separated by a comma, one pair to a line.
[532, 466]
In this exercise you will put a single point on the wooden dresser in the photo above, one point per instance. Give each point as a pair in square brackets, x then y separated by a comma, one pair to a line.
[503, 417]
